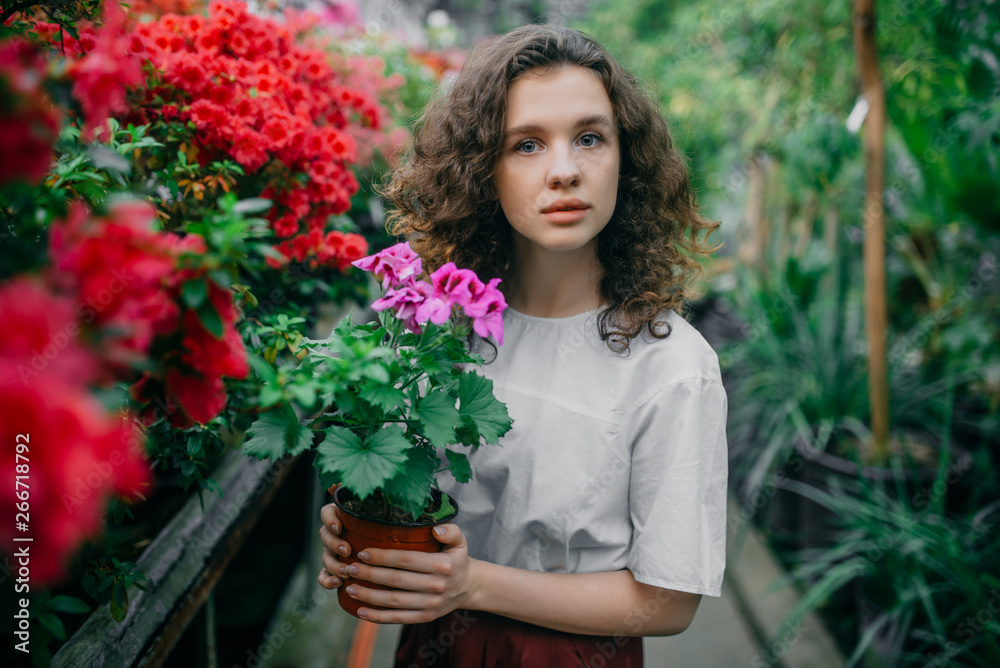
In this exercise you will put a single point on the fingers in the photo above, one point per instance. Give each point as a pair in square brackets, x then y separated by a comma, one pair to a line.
[334, 544]
[421, 562]
[328, 581]
[328, 514]
[403, 605]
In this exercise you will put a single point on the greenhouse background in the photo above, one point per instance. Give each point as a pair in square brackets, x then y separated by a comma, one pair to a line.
[183, 188]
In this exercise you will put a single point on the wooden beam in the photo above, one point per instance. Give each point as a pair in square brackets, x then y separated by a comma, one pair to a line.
[182, 566]
[876, 320]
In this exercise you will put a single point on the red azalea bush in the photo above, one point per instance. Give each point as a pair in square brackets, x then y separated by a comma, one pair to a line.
[78, 453]
[258, 94]
[129, 280]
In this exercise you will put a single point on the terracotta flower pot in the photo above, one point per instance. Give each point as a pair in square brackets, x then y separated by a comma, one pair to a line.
[363, 533]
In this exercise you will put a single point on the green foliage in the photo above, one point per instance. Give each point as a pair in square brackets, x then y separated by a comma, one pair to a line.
[108, 581]
[928, 576]
[389, 397]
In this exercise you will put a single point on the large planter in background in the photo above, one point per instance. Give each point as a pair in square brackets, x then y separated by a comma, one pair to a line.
[363, 533]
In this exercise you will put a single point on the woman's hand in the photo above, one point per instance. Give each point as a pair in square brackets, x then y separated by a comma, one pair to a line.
[425, 585]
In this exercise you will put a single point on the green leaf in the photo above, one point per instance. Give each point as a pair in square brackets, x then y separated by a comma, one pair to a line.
[385, 397]
[276, 433]
[210, 319]
[446, 509]
[438, 417]
[53, 624]
[363, 466]
[194, 293]
[411, 488]
[476, 401]
[68, 604]
[118, 602]
[459, 465]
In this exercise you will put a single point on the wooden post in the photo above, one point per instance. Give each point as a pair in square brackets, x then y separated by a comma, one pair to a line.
[874, 226]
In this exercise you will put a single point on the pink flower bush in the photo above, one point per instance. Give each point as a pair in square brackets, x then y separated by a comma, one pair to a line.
[416, 302]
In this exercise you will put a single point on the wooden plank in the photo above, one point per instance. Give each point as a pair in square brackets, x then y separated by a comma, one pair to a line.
[182, 565]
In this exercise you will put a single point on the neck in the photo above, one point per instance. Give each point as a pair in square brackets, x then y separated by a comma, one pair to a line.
[554, 284]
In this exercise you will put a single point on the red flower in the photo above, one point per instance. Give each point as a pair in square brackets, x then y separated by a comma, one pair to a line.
[79, 455]
[46, 338]
[122, 272]
[29, 124]
[101, 76]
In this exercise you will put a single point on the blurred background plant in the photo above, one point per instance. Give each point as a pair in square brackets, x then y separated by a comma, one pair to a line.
[767, 104]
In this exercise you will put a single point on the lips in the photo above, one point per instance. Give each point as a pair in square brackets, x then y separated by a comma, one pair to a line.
[566, 205]
[566, 211]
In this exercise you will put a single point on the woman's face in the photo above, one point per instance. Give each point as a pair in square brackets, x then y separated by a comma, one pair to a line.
[558, 176]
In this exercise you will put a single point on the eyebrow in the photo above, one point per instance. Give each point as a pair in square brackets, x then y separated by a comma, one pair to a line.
[528, 128]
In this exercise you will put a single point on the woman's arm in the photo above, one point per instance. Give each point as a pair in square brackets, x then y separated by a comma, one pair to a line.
[604, 603]
[430, 585]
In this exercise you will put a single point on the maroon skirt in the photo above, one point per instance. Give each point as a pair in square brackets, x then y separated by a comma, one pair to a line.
[475, 639]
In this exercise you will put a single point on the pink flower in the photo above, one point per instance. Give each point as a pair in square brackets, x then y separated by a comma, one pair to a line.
[459, 285]
[406, 302]
[486, 311]
[396, 266]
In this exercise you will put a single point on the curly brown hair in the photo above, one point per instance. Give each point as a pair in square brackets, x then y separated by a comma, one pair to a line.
[444, 197]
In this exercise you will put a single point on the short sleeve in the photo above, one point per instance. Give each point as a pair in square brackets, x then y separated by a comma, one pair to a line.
[678, 487]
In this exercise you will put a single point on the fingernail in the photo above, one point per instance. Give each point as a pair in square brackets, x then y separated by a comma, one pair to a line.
[440, 531]
[334, 528]
[352, 570]
[364, 556]
[352, 590]
[343, 550]
[362, 612]
[342, 570]
[336, 582]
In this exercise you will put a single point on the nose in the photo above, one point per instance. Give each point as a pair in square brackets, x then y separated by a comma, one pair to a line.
[563, 170]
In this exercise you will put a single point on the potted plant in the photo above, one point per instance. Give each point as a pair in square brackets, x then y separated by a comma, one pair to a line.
[382, 405]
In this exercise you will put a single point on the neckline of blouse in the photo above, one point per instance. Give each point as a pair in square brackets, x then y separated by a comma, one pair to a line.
[555, 321]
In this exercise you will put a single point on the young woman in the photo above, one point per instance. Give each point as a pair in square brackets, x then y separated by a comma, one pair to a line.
[601, 515]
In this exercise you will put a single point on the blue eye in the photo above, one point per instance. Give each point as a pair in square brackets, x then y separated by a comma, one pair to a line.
[527, 146]
[591, 139]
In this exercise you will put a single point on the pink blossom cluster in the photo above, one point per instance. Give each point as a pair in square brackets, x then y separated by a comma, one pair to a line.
[416, 301]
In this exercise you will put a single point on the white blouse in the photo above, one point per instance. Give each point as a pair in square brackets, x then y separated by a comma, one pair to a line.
[613, 461]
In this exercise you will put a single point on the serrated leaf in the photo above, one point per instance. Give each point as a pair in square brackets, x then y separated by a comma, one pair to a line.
[458, 463]
[411, 488]
[363, 466]
[194, 293]
[476, 401]
[385, 397]
[276, 433]
[376, 372]
[210, 319]
[438, 417]
[305, 393]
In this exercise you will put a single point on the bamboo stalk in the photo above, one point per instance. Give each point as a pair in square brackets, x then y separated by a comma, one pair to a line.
[876, 324]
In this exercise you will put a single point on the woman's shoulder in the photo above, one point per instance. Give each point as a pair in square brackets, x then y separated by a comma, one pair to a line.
[683, 355]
